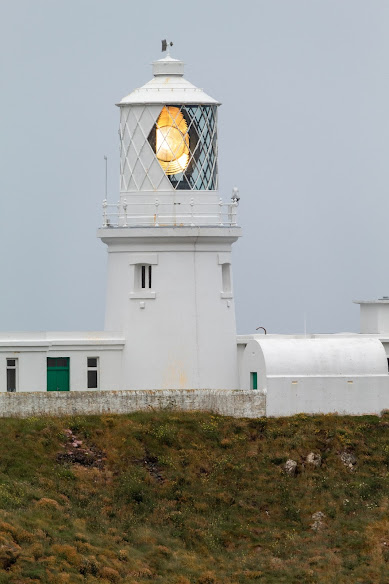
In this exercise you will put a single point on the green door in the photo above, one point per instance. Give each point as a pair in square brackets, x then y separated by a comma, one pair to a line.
[57, 373]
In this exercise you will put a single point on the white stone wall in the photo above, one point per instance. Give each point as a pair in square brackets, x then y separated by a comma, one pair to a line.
[326, 395]
[225, 402]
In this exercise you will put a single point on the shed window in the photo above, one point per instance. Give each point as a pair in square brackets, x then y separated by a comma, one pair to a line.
[12, 365]
[93, 368]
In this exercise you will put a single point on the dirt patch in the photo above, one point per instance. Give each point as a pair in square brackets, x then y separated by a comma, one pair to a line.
[151, 465]
[77, 452]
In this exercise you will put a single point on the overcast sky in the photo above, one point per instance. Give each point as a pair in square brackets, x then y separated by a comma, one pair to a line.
[303, 133]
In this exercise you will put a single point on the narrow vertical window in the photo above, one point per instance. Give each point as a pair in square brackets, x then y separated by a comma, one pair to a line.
[92, 363]
[226, 280]
[226, 277]
[253, 380]
[143, 268]
[12, 365]
[145, 277]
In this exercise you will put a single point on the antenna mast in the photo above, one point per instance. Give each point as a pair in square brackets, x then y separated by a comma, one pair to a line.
[106, 177]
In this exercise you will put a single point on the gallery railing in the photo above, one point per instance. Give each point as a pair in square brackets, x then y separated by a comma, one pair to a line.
[161, 214]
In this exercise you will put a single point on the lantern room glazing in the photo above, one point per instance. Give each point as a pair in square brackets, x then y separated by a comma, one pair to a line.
[184, 140]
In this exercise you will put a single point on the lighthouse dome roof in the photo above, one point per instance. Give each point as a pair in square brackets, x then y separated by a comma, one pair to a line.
[168, 86]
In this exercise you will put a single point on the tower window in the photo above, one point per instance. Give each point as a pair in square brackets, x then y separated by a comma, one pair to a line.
[226, 278]
[12, 366]
[145, 277]
[93, 368]
[253, 380]
[226, 291]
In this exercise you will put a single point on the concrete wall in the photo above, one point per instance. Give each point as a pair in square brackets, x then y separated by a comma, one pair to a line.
[326, 395]
[234, 403]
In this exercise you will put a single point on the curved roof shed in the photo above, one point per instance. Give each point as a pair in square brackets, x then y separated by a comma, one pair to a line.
[318, 375]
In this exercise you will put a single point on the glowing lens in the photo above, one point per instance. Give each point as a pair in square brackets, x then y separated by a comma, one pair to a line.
[172, 140]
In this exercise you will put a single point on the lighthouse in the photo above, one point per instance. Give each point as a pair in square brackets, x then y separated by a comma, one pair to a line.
[169, 238]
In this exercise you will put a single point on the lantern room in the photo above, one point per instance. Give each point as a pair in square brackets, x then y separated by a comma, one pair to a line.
[168, 134]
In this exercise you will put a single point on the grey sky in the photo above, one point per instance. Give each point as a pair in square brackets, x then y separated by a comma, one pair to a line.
[304, 134]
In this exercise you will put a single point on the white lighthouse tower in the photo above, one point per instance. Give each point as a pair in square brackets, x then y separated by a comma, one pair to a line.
[169, 290]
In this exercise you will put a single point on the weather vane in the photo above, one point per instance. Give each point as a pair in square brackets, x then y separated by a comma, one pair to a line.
[166, 46]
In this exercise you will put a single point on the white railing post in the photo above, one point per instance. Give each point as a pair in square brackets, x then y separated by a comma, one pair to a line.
[125, 212]
[234, 213]
[220, 211]
[192, 212]
[156, 223]
[105, 204]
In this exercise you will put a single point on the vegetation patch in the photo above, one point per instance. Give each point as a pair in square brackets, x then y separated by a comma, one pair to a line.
[194, 498]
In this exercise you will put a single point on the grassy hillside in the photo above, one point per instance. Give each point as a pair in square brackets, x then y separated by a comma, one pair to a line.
[191, 498]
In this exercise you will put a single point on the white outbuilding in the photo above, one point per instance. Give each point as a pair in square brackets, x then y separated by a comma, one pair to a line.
[321, 374]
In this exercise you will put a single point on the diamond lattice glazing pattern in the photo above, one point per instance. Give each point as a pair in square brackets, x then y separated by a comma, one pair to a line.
[184, 141]
[139, 168]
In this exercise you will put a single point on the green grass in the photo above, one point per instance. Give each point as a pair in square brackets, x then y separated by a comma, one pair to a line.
[192, 498]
